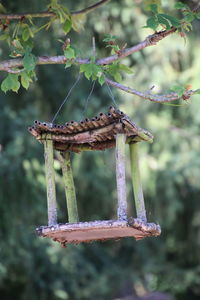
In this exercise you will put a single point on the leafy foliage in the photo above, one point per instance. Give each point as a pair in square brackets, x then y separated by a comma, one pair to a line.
[149, 5]
[161, 20]
[179, 90]
[110, 40]
[94, 71]
[20, 38]
[91, 70]
[115, 70]
[11, 82]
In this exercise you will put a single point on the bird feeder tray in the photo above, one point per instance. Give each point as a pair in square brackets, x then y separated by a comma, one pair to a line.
[99, 231]
[114, 129]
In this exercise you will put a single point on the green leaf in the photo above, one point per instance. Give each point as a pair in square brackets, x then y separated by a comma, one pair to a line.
[118, 77]
[112, 69]
[173, 20]
[10, 83]
[186, 26]
[179, 90]
[197, 15]
[29, 61]
[78, 22]
[114, 47]
[90, 70]
[101, 79]
[25, 80]
[60, 13]
[154, 8]
[152, 5]
[17, 44]
[189, 16]
[152, 23]
[26, 34]
[54, 3]
[77, 51]
[68, 64]
[109, 38]
[67, 26]
[180, 5]
[125, 69]
[69, 53]
[162, 20]
[2, 9]
[4, 37]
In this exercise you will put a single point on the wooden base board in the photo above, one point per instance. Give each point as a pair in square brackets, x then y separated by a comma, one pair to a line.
[76, 233]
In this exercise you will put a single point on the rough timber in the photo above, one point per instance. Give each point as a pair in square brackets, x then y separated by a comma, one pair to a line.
[99, 231]
[90, 134]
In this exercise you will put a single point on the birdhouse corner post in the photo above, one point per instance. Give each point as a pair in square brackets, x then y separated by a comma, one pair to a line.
[70, 193]
[121, 177]
[136, 182]
[50, 181]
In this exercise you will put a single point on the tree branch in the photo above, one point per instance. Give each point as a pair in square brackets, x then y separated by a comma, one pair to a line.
[6, 65]
[151, 40]
[149, 96]
[47, 14]
[90, 8]
[48, 60]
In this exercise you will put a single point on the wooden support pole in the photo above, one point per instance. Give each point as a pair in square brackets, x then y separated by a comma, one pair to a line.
[69, 188]
[50, 181]
[121, 177]
[136, 181]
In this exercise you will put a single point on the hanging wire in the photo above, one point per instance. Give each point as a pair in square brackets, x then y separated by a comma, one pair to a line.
[66, 98]
[111, 95]
[88, 98]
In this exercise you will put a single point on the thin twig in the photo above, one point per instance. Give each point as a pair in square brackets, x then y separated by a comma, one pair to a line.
[152, 97]
[90, 8]
[150, 40]
[47, 14]
[14, 71]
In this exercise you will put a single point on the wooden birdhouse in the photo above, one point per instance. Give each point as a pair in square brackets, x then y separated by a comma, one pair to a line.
[112, 130]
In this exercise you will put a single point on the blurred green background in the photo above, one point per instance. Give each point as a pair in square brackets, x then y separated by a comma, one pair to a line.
[36, 268]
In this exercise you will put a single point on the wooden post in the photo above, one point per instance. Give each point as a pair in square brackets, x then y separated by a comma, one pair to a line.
[136, 181]
[69, 188]
[121, 177]
[50, 181]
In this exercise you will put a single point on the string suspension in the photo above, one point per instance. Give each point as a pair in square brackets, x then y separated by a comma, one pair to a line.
[111, 95]
[88, 98]
[67, 97]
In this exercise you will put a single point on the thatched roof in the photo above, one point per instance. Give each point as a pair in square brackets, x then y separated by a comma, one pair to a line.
[97, 133]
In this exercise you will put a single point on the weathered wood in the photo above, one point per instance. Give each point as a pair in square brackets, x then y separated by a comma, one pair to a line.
[84, 147]
[90, 132]
[121, 177]
[50, 180]
[99, 231]
[69, 187]
[136, 181]
[86, 136]
[142, 133]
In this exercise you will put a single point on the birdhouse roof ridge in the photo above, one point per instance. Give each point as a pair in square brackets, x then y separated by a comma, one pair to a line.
[97, 133]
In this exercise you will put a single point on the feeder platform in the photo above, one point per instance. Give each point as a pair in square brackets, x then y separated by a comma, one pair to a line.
[114, 129]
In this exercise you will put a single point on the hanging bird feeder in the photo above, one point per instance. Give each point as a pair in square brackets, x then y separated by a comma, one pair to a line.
[114, 129]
